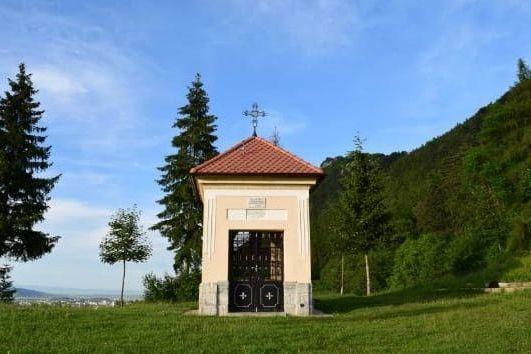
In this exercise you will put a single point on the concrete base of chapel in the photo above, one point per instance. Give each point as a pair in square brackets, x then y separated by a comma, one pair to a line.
[214, 299]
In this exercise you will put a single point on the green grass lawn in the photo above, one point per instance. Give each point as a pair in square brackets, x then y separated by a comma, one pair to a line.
[411, 321]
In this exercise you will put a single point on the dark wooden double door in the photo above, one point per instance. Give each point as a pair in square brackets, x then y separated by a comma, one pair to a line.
[256, 271]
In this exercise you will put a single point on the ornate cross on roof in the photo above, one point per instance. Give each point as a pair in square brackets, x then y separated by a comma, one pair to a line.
[254, 113]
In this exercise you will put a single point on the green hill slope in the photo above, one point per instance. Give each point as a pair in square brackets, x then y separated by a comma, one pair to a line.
[472, 186]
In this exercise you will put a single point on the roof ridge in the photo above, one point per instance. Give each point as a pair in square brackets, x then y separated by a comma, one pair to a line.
[220, 155]
[286, 152]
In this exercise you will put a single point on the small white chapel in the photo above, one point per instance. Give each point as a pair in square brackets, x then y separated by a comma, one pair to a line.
[256, 230]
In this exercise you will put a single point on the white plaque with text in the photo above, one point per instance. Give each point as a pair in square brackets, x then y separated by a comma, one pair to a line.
[256, 203]
[257, 214]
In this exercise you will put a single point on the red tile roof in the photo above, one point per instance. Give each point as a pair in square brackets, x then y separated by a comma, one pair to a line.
[256, 156]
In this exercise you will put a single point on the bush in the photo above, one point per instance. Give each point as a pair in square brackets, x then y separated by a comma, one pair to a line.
[184, 287]
[520, 235]
[519, 269]
[422, 260]
[477, 249]
[468, 253]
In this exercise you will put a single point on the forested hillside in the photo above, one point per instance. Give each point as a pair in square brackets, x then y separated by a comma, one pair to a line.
[460, 203]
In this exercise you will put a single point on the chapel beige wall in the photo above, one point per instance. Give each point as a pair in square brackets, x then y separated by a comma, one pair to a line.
[291, 197]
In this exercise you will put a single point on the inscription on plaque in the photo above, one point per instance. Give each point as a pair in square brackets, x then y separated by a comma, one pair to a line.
[256, 214]
[256, 203]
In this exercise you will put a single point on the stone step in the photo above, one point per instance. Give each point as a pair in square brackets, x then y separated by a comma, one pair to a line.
[502, 290]
[519, 285]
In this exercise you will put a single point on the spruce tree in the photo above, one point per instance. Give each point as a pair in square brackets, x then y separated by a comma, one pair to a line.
[361, 218]
[523, 71]
[180, 221]
[24, 191]
[6, 285]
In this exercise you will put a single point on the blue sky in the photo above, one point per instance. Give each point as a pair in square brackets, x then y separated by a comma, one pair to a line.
[111, 75]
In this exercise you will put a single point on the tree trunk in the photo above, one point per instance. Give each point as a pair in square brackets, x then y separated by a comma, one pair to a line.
[368, 275]
[123, 283]
[342, 273]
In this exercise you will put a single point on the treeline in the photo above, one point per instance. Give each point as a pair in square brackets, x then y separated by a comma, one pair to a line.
[458, 204]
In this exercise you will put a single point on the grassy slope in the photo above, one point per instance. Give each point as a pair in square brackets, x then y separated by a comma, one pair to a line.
[517, 269]
[402, 321]
[520, 272]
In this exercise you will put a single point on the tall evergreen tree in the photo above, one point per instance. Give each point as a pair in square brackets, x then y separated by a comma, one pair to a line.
[6, 285]
[361, 219]
[181, 219]
[523, 71]
[24, 192]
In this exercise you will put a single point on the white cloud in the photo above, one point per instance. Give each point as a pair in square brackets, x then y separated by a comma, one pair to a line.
[285, 124]
[88, 178]
[91, 87]
[448, 63]
[74, 262]
[90, 83]
[457, 47]
[79, 224]
[58, 83]
[314, 26]
[421, 130]
[80, 221]
[67, 210]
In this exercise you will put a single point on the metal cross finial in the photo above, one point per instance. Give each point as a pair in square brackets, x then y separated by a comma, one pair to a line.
[254, 113]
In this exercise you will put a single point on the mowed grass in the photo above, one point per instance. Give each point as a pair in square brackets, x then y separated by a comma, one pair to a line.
[406, 321]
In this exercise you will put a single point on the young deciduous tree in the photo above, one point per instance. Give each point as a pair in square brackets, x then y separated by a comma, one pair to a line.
[523, 71]
[6, 285]
[336, 242]
[24, 191]
[361, 219]
[180, 221]
[125, 242]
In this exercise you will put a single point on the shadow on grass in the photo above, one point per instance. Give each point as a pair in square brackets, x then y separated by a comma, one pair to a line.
[334, 303]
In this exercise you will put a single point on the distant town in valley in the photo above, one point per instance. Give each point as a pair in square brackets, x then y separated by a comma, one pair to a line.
[72, 297]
